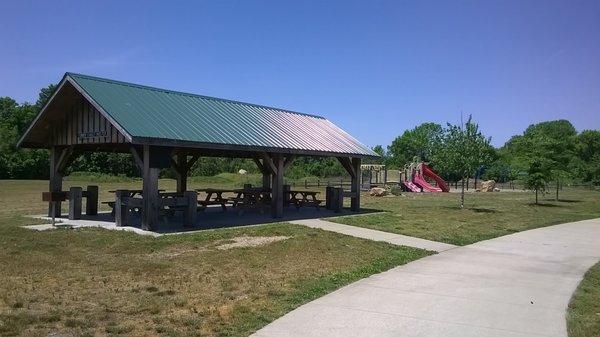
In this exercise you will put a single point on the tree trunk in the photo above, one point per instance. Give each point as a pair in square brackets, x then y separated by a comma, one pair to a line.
[536, 195]
[557, 186]
[462, 194]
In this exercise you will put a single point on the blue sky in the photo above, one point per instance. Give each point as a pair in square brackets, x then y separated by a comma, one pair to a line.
[376, 68]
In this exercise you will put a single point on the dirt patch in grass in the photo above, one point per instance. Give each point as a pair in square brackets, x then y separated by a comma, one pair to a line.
[251, 241]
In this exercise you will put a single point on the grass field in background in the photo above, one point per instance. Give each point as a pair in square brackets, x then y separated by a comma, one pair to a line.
[583, 317]
[437, 217]
[97, 282]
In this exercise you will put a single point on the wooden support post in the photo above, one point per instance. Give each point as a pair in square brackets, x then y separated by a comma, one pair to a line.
[277, 187]
[266, 180]
[189, 216]
[355, 187]
[75, 198]
[352, 165]
[121, 209]
[55, 181]
[264, 169]
[91, 202]
[182, 172]
[59, 158]
[151, 205]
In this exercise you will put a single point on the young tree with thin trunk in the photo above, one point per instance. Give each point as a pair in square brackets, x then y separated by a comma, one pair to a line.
[462, 151]
[536, 178]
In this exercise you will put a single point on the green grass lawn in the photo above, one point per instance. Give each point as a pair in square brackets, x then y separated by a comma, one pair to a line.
[437, 217]
[584, 310]
[98, 282]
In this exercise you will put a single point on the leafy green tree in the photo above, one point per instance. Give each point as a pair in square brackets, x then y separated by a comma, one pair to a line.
[45, 95]
[383, 159]
[537, 178]
[463, 150]
[588, 152]
[553, 143]
[420, 141]
[18, 163]
[379, 150]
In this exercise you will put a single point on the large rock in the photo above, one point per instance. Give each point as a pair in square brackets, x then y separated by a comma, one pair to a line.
[378, 192]
[488, 186]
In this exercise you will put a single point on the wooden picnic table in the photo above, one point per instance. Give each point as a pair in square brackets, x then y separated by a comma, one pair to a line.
[132, 193]
[247, 198]
[218, 197]
[306, 198]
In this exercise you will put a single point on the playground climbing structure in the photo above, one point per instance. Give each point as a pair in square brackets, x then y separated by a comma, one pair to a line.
[414, 179]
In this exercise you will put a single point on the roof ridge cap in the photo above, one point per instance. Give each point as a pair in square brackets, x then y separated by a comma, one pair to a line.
[182, 93]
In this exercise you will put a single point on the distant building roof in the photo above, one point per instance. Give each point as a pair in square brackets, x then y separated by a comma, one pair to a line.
[146, 114]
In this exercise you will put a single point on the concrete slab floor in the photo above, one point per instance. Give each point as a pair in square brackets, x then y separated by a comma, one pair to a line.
[211, 218]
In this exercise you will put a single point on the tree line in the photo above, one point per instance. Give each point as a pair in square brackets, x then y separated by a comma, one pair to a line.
[547, 152]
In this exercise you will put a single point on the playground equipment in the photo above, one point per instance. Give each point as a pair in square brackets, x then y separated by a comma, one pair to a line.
[413, 179]
[375, 175]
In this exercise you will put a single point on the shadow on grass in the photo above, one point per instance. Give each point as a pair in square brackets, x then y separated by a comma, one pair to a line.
[363, 211]
[483, 210]
[543, 204]
[474, 209]
[569, 200]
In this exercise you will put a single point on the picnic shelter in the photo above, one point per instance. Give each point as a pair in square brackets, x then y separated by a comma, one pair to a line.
[169, 129]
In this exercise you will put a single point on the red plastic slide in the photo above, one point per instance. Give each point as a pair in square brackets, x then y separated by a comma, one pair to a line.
[411, 186]
[420, 181]
[428, 172]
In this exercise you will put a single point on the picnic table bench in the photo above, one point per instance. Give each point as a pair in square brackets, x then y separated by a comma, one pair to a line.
[251, 198]
[132, 193]
[169, 202]
[306, 198]
[75, 196]
[217, 200]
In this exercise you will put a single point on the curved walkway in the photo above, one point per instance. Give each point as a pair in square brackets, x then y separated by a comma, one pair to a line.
[515, 285]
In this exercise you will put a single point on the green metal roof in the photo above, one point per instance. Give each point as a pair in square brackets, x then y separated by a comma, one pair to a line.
[150, 113]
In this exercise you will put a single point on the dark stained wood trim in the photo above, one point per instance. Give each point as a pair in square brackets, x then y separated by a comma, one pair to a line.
[251, 150]
[288, 161]
[192, 161]
[355, 185]
[260, 166]
[63, 158]
[347, 164]
[137, 158]
[124, 132]
[268, 163]
[176, 166]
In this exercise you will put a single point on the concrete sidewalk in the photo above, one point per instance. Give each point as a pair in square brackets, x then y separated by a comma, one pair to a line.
[375, 235]
[516, 285]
